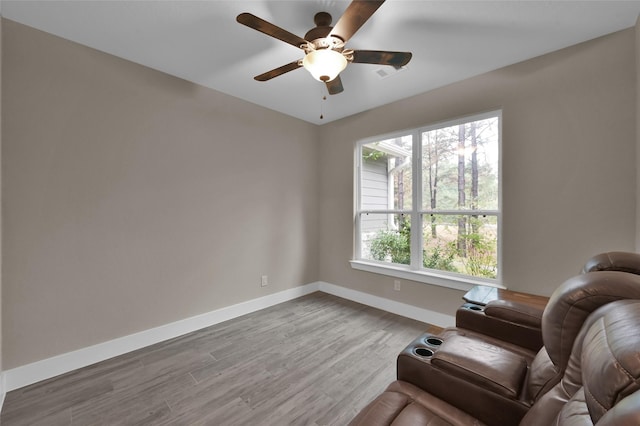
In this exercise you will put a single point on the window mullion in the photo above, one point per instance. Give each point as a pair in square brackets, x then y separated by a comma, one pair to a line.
[416, 218]
[357, 235]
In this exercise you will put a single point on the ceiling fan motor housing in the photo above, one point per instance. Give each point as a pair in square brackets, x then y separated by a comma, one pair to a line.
[319, 37]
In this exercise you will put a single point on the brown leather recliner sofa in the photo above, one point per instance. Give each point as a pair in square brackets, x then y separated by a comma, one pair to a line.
[463, 377]
[521, 323]
[600, 386]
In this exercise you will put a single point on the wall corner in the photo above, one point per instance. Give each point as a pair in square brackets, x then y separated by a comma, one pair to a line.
[637, 116]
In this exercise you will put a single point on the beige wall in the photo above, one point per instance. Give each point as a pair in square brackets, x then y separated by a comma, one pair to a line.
[568, 166]
[133, 199]
[0, 203]
[637, 55]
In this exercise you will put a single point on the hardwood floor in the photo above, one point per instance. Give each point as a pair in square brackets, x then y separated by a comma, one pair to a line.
[316, 360]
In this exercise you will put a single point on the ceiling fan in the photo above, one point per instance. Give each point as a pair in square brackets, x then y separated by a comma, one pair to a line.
[324, 46]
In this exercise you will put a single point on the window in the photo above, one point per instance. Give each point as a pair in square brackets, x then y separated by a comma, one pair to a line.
[427, 201]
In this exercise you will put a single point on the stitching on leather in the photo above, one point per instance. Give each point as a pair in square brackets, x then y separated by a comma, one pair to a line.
[562, 382]
[488, 379]
[379, 402]
[571, 307]
[563, 329]
[509, 309]
[618, 363]
[595, 399]
[611, 298]
[546, 387]
[609, 259]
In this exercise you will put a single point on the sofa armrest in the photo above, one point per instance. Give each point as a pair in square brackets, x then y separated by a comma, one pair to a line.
[509, 321]
[480, 389]
[483, 364]
[515, 312]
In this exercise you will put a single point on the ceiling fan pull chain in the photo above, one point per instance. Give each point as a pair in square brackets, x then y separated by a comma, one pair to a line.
[324, 98]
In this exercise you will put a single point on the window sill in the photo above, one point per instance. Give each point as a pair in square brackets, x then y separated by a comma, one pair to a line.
[443, 280]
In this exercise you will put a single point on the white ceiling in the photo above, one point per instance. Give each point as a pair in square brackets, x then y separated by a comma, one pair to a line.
[200, 41]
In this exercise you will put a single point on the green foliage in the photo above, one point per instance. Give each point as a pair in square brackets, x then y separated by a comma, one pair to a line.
[480, 260]
[441, 258]
[372, 154]
[391, 245]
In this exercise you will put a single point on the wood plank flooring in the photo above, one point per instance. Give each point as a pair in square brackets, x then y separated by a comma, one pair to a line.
[316, 360]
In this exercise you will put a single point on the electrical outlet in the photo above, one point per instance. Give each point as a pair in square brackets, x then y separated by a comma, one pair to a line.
[396, 285]
[264, 281]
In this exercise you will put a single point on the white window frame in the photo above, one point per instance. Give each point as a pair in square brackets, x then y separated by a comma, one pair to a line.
[415, 271]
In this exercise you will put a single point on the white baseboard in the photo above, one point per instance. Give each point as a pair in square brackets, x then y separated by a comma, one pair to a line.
[398, 308]
[3, 391]
[47, 368]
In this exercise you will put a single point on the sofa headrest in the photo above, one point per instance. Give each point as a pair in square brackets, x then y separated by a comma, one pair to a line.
[572, 302]
[622, 261]
[611, 359]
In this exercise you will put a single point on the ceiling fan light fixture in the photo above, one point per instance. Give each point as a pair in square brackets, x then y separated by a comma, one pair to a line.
[324, 64]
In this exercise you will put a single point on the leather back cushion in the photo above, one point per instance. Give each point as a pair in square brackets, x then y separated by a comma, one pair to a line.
[574, 300]
[614, 261]
[611, 359]
[542, 375]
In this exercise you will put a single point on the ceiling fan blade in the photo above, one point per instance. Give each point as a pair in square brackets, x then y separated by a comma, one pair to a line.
[269, 29]
[334, 86]
[357, 13]
[396, 59]
[278, 71]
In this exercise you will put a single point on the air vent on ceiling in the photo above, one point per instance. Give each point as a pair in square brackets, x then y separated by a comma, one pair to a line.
[388, 71]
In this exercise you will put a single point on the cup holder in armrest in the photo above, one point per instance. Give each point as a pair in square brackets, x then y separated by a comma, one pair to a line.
[423, 347]
[423, 352]
[473, 307]
[433, 341]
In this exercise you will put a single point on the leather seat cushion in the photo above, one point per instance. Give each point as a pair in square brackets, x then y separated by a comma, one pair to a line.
[403, 404]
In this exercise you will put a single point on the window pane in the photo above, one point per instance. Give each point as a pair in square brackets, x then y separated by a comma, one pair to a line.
[386, 182]
[386, 237]
[461, 243]
[460, 166]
